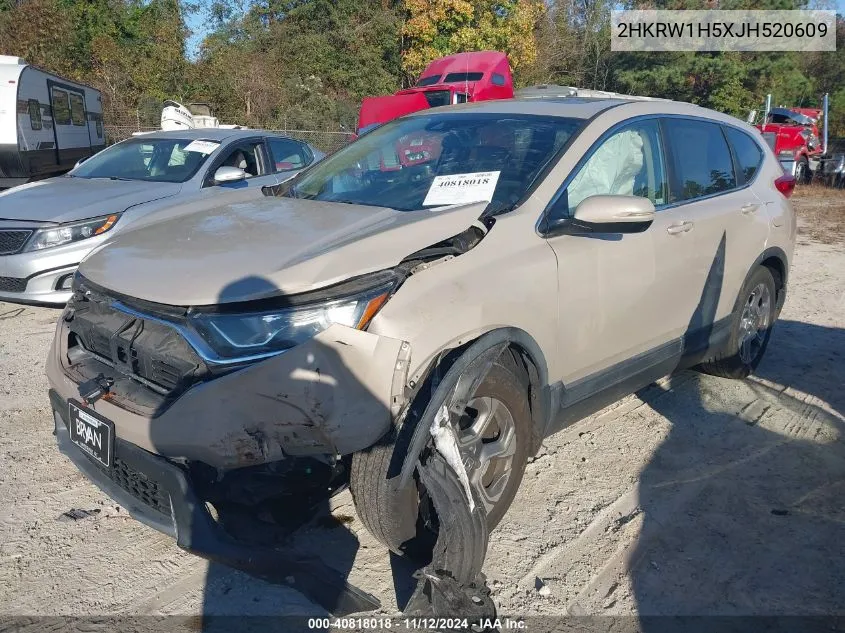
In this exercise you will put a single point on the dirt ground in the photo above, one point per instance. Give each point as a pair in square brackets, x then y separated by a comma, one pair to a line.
[697, 496]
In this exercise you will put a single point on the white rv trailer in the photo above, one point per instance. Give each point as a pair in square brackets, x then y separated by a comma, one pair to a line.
[47, 123]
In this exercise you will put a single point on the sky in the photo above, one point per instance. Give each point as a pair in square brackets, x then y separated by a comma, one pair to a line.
[197, 22]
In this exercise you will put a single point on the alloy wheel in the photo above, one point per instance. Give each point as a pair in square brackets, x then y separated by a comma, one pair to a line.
[754, 323]
[487, 442]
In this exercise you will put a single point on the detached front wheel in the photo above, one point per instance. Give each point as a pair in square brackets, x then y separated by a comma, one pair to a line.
[493, 437]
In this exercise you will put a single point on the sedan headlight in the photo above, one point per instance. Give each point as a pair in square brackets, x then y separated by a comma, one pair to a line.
[242, 334]
[67, 233]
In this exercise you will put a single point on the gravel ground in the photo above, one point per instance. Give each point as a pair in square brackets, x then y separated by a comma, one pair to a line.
[697, 496]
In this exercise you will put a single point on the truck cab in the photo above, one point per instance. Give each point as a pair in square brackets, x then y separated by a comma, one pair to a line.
[450, 80]
[794, 135]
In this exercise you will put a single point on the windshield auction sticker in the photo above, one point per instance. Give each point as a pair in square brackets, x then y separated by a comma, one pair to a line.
[202, 147]
[718, 30]
[462, 188]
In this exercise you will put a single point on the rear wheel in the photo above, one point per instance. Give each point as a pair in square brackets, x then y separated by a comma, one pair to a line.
[751, 328]
[493, 437]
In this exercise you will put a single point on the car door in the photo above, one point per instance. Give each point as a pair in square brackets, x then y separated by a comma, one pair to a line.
[249, 155]
[624, 299]
[729, 224]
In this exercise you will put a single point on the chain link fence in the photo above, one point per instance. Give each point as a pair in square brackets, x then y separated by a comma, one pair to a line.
[324, 140]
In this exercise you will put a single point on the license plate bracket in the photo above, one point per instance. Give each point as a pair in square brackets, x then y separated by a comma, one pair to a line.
[92, 433]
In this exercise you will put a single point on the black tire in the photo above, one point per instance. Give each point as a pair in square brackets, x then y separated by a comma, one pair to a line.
[803, 175]
[378, 504]
[732, 361]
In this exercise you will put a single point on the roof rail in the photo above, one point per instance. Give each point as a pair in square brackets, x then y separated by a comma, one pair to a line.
[552, 91]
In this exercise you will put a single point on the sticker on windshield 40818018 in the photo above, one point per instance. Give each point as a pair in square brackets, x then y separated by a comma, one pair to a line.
[462, 188]
[203, 147]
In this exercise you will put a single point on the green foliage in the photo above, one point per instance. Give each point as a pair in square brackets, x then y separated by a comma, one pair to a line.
[308, 63]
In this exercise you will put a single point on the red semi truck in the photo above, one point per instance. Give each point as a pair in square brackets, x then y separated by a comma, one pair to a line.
[460, 78]
[799, 138]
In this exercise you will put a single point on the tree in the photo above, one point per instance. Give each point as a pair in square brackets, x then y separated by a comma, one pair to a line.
[573, 44]
[40, 32]
[435, 28]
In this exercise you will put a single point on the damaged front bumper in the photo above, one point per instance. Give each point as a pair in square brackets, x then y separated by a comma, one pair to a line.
[163, 496]
[333, 395]
[203, 453]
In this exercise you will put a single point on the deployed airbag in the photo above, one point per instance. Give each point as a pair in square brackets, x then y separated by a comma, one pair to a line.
[611, 170]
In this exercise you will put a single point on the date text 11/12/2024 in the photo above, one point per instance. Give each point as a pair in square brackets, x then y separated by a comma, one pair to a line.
[415, 624]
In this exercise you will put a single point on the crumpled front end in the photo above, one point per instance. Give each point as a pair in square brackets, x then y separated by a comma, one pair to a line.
[333, 395]
[203, 450]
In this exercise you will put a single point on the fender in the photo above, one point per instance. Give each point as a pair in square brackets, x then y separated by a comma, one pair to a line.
[455, 374]
[773, 252]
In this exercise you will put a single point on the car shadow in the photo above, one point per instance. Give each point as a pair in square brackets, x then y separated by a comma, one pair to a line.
[303, 552]
[741, 503]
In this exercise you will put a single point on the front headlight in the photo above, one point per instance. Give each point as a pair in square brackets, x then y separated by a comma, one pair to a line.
[67, 233]
[241, 334]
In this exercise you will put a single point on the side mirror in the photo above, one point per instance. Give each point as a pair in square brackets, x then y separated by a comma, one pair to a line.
[615, 210]
[80, 161]
[228, 174]
[606, 214]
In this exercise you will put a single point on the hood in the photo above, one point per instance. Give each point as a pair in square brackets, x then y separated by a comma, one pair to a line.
[250, 250]
[66, 199]
[378, 110]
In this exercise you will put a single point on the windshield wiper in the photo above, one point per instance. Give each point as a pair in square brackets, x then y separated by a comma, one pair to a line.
[120, 178]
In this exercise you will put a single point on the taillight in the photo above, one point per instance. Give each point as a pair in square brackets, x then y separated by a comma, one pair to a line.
[785, 184]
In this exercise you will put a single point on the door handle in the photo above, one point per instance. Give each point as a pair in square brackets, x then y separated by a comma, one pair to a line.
[683, 227]
[749, 208]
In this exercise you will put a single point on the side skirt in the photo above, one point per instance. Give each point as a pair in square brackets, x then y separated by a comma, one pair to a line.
[592, 393]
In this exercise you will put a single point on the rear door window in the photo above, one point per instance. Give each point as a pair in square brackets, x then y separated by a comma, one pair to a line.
[288, 154]
[748, 154]
[61, 106]
[701, 159]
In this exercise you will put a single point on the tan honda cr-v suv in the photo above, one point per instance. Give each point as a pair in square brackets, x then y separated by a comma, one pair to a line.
[413, 315]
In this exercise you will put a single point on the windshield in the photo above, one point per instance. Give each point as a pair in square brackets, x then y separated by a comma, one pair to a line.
[435, 160]
[148, 159]
[437, 98]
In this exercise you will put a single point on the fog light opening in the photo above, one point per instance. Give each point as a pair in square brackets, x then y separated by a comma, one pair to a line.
[65, 282]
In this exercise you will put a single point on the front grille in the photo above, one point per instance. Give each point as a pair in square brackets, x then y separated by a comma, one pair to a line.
[11, 241]
[147, 351]
[12, 284]
[139, 486]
